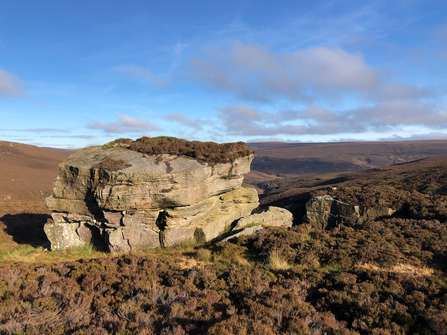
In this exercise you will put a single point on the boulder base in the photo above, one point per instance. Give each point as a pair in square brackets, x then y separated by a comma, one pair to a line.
[67, 235]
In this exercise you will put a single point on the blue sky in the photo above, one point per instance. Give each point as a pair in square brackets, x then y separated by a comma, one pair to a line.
[79, 73]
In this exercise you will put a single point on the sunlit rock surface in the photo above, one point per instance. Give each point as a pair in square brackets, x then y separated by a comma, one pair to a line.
[145, 199]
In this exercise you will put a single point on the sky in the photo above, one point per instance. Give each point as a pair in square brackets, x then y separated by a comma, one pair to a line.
[81, 73]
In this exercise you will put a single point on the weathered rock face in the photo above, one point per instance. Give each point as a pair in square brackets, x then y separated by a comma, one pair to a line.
[324, 212]
[151, 182]
[274, 216]
[67, 235]
[150, 198]
[207, 219]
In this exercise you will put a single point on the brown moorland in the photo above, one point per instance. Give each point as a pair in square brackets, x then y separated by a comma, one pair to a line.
[428, 176]
[285, 160]
[383, 276]
[26, 177]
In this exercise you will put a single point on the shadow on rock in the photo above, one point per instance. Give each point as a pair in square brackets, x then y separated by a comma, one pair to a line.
[26, 228]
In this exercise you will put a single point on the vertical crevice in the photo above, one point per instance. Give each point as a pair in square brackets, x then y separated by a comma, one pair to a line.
[161, 223]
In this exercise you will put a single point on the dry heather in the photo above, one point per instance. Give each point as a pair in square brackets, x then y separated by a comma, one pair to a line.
[111, 164]
[206, 151]
[407, 269]
[384, 276]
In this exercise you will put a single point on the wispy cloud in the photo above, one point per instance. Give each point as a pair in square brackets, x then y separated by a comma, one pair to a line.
[38, 130]
[267, 139]
[10, 84]
[180, 118]
[144, 74]
[125, 124]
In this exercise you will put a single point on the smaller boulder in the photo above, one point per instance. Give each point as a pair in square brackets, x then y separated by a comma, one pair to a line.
[274, 217]
[67, 235]
[324, 212]
[377, 211]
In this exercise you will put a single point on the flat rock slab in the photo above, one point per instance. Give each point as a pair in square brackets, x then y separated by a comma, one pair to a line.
[207, 219]
[274, 217]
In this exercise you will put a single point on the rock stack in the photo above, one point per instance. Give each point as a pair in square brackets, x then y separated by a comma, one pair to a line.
[127, 196]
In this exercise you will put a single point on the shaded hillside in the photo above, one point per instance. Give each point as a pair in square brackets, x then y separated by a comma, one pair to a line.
[291, 159]
[418, 187]
[426, 176]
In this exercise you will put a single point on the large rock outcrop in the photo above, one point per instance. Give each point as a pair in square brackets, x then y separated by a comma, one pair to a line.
[129, 200]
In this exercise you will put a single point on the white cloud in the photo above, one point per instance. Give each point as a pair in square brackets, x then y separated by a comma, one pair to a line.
[10, 84]
[126, 124]
[333, 69]
[256, 73]
[315, 120]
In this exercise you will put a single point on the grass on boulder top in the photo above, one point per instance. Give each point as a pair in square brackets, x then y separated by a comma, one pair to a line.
[210, 152]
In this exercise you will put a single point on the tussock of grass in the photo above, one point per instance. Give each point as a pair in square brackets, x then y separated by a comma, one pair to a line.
[276, 261]
[399, 268]
[186, 245]
[204, 255]
[227, 229]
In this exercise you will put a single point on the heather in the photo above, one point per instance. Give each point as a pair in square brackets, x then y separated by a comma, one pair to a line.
[385, 275]
[210, 152]
[111, 164]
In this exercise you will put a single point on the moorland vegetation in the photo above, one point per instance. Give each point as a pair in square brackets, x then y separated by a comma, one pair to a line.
[210, 152]
[382, 276]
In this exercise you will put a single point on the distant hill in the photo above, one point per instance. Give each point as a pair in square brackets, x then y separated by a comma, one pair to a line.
[428, 176]
[63, 151]
[27, 172]
[294, 159]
